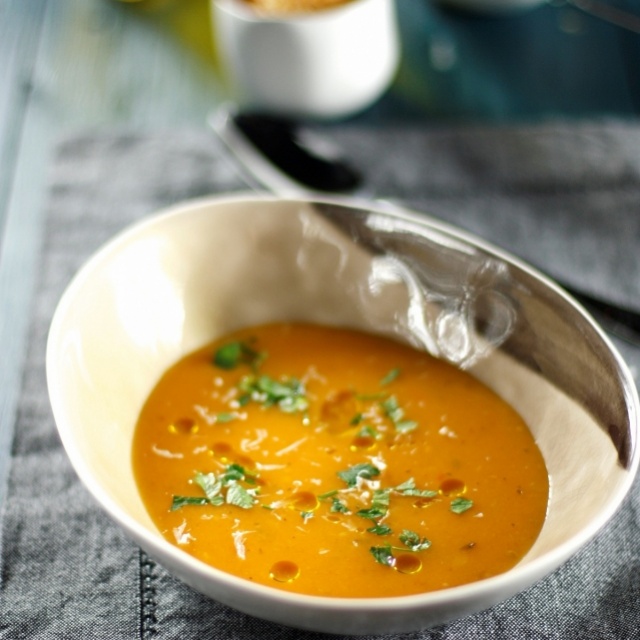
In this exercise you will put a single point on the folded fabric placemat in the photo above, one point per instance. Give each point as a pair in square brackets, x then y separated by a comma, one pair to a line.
[565, 196]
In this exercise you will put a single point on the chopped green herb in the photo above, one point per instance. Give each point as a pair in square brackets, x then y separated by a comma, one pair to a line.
[392, 409]
[379, 506]
[409, 488]
[356, 420]
[225, 417]
[395, 412]
[381, 498]
[236, 473]
[289, 395]
[230, 355]
[239, 497]
[367, 432]
[460, 505]
[337, 506]
[211, 486]
[182, 501]
[306, 515]
[372, 513]
[413, 541]
[405, 426]
[328, 494]
[390, 377]
[383, 555]
[363, 470]
[380, 529]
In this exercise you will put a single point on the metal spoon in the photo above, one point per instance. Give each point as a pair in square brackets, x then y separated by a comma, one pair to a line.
[275, 153]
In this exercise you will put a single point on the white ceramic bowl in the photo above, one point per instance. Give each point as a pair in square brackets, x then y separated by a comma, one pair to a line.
[323, 64]
[178, 279]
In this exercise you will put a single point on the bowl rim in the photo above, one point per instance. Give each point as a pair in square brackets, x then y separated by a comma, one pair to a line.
[158, 547]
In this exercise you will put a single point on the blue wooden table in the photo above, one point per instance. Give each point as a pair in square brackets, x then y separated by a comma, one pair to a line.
[68, 65]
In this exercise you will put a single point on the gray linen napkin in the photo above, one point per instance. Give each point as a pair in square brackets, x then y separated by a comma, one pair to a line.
[564, 196]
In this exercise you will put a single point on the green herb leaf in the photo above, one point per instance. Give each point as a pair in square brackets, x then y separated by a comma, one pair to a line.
[239, 497]
[225, 417]
[367, 431]
[182, 501]
[289, 395]
[380, 530]
[356, 420]
[372, 513]
[405, 426]
[409, 488]
[363, 470]
[328, 494]
[210, 484]
[379, 505]
[337, 506]
[390, 377]
[383, 555]
[230, 355]
[381, 498]
[392, 409]
[460, 505]
[413, 541]
[236, 473]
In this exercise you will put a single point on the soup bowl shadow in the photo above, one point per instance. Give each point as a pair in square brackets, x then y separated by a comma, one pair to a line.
[184, 276]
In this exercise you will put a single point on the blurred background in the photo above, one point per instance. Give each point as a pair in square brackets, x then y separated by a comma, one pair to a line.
[81, 64]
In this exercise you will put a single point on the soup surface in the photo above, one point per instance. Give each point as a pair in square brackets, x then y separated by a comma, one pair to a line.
[332, 462]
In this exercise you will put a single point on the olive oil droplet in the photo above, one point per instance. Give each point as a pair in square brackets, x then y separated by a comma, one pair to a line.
[362, 443]
[222, 450]
[304, 501]
[453, 487]
[421, 503]
[185, 426]
[408, 564]
[284, 571]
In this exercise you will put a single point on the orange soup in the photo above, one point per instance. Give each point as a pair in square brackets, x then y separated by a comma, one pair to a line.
[331, 462]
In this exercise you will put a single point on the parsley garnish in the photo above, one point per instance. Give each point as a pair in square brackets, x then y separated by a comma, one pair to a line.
[230, 355]
[380, 530]
[379, 506]
[214, 487]
[372, 513]
[390, 377]
[460, 505]
[413, 541]
[182, 501]
[211, 485]
[328, 494]
[409, 488]
[393, 410]
[337, 506]
[225, 417]
[237, 495]
[289, 395]
[383, 555]
[363, 470]
[368, 432]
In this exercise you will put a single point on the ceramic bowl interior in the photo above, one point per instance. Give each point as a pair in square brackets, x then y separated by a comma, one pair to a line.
[181, 278]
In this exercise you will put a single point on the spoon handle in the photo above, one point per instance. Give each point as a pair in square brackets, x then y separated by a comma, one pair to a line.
[269, 154]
